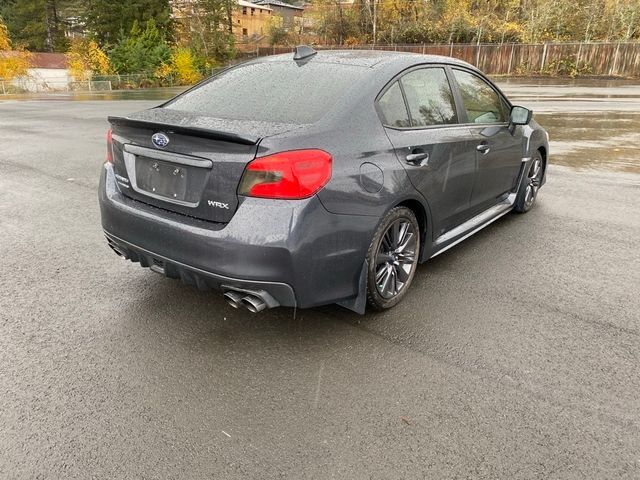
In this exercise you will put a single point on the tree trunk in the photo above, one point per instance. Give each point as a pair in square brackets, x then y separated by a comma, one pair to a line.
[229, 7]
[51, 23]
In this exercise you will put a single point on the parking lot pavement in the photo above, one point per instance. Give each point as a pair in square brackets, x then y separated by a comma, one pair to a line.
[515, 354]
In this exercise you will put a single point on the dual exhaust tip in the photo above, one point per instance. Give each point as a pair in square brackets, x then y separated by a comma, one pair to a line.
[251, 302]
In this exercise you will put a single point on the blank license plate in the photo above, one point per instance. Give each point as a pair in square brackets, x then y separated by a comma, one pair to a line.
[161, 178]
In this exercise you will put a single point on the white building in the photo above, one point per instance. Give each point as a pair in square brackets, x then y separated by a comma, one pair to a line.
[48, 71]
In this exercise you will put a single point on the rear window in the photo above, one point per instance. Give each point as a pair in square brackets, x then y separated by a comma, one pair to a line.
[393, 107]
[279, 92]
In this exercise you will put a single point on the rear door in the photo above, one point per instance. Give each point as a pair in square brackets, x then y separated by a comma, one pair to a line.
[498, 151]
[437, 152]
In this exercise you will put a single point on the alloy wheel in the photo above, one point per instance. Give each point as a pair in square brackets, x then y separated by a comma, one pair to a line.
[396, 258]
[533, 178]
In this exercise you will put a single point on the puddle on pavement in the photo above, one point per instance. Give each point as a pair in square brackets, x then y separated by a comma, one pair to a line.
[594, 140]
[602, 131]
[141, 94]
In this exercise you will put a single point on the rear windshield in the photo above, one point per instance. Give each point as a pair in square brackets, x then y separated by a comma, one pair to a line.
[279, 92]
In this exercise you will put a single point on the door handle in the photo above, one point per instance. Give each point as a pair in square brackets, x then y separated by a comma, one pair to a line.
[483, 148]
[419, 159]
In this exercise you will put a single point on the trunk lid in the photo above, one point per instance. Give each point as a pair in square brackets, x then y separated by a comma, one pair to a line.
[183, 162]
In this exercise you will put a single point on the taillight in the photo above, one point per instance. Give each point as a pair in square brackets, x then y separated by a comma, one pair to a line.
[287, 175]
[109, 146]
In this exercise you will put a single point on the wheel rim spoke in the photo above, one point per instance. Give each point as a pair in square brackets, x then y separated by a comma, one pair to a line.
[386, 242]
[407, 239]
[406, 258]
[383, 258]
[402, 274]
[384, 285]
[395, 235]
[393, 284]
[402, 233]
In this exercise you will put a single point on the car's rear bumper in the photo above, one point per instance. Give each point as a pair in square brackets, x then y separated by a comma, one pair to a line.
[281, 292]
[296, 251]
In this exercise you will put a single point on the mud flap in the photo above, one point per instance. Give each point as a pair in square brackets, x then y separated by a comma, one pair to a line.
[358, 303]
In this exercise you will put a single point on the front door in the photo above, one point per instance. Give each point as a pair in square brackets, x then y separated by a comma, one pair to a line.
[498, 150]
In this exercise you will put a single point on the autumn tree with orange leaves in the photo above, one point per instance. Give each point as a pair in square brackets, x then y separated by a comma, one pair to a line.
[13, 62]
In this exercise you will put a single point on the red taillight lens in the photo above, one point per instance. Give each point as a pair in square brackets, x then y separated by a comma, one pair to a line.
[109, 146]
[287, 175]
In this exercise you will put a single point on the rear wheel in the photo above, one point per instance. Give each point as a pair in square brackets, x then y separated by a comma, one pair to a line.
[530, 184]
[393, 258]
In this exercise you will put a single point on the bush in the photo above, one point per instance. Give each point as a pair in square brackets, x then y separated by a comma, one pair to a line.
[566, 66]
[415, 32]
[183, 68]
[86, 59]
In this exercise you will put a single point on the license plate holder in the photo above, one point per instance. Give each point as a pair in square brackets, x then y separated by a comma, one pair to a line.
[163, 179]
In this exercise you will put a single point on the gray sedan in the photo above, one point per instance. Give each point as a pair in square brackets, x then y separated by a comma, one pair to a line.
[318, 177]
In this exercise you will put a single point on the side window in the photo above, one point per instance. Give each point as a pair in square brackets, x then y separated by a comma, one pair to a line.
[481, 101]
[429, 97]
[393, 108]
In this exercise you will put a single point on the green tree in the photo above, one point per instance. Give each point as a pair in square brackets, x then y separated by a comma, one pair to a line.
[106, 19]
[38, 24]
[142, 51]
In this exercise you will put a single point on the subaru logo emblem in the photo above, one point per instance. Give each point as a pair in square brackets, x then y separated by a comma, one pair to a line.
[160, 140]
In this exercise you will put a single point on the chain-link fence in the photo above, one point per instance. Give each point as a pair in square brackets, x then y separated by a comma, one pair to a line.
[27, 85]
[137, 80]
[97, 83]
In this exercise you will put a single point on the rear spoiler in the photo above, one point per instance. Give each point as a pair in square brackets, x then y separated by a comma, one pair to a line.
[186, 130]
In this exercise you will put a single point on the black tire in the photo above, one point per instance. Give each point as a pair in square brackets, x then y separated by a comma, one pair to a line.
[530, 185]
[393, 258]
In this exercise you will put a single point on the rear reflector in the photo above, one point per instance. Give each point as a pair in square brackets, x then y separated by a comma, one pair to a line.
[109, 158]
[287, 175]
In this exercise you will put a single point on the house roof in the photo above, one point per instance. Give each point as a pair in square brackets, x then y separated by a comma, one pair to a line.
[244, 3]
[41, 59]
[49, 60]
[278, 3]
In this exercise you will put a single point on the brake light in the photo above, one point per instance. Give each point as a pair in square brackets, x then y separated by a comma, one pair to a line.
[109, 158]
[287, 175]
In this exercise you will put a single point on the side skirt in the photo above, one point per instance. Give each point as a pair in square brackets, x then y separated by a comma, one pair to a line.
[463, 231]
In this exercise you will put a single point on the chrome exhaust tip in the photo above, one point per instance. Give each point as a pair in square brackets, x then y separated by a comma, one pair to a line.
[233, 298]
[253, 300]
[253, 303]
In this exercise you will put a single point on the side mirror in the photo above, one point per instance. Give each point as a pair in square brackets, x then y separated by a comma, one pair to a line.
[520, 116]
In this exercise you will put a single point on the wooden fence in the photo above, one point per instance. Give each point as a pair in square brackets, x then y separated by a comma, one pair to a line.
[603, 59]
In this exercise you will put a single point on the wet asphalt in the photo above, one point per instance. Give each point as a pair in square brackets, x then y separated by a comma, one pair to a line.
[515, 355]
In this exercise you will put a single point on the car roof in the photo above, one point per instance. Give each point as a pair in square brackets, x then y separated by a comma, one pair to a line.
[375, 59]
